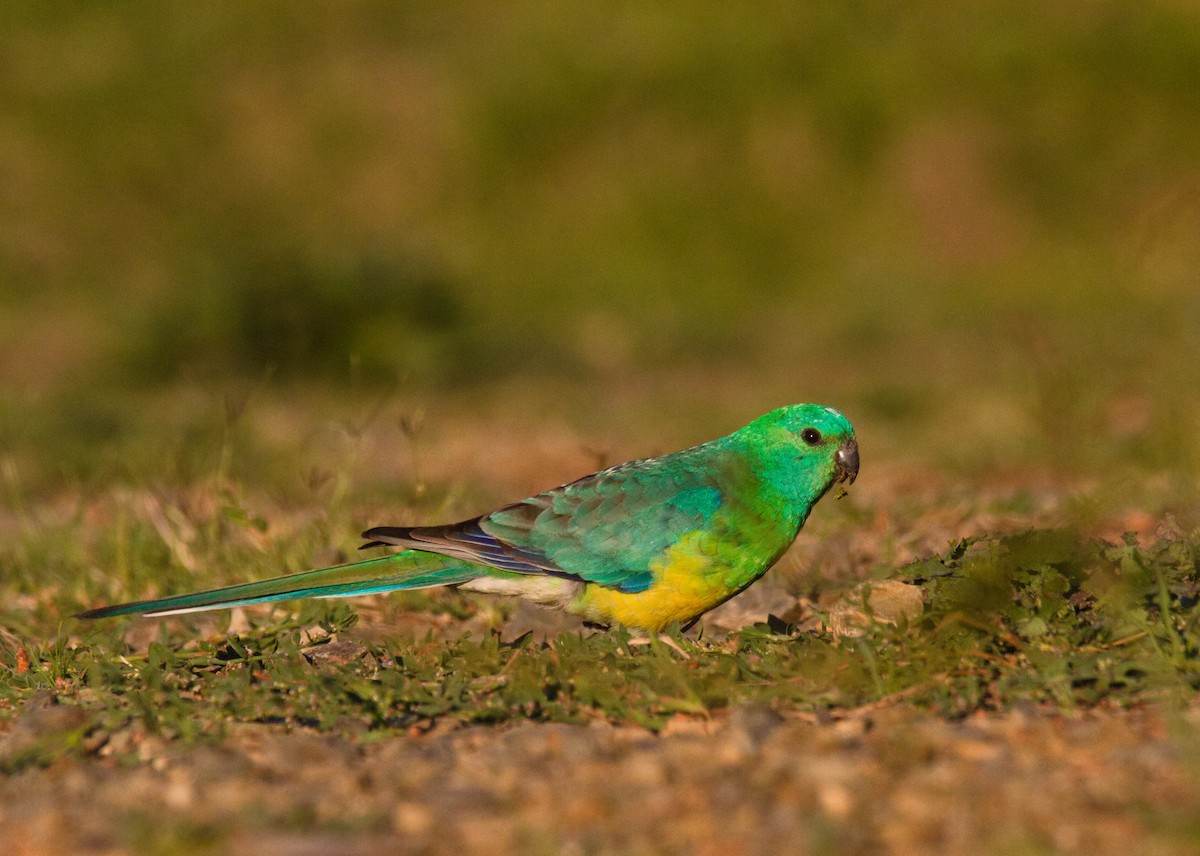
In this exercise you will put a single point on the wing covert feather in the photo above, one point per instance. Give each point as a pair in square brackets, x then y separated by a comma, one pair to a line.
[609, 527]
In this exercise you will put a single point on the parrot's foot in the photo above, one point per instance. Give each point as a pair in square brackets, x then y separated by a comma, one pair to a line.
[666, 640]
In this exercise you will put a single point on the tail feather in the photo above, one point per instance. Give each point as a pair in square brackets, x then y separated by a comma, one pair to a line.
[405, 570]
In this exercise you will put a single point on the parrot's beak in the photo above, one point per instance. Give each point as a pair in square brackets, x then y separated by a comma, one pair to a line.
[845, 467]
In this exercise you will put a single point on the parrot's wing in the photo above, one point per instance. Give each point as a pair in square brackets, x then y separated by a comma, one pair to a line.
[606, 528]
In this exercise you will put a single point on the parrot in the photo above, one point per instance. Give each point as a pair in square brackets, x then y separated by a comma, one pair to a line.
[644, 544]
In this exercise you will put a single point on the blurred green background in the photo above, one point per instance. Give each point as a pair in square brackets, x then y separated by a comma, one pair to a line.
[973, 227]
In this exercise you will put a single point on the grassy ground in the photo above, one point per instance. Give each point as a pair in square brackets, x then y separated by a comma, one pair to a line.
[1052, 651]
[274, 274]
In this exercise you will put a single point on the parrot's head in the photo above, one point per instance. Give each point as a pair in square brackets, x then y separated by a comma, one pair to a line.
[807, 446]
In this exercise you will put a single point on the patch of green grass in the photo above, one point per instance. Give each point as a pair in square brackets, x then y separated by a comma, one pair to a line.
[1042, 617]
[1047, 617]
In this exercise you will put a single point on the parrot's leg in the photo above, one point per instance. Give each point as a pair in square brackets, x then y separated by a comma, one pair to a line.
[665, 640]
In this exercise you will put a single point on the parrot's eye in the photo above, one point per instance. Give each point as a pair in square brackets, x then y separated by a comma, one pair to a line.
[811, 436]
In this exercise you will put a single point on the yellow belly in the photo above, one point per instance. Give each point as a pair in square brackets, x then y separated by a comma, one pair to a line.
[683, 587]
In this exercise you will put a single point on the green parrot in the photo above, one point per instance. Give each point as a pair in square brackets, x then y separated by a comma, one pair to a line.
[644, 544]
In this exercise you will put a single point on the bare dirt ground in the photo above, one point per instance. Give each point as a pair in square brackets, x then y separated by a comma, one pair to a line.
[891, 779]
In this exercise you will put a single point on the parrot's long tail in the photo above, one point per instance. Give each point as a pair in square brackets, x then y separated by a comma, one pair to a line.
[409, 569]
